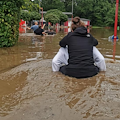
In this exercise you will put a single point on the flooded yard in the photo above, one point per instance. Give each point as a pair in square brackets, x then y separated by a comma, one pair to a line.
[29, 90]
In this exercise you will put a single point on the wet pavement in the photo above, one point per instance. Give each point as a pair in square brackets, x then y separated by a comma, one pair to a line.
[29, 90]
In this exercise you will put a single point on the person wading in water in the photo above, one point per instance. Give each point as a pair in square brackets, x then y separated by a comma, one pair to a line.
[78, 57]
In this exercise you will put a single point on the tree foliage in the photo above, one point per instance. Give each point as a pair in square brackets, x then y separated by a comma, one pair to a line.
[95, 10]
[30, 6]
[25, 15]
[100, 12]
[59, 15]
[53, 18]
[29, 16]
[52, 4]
[35, 16]
[9, 22]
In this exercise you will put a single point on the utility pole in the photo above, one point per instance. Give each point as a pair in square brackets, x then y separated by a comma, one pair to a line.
[40, 1]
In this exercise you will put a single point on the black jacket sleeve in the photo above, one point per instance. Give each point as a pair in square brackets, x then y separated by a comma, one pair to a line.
[95, 42]
[63, 42]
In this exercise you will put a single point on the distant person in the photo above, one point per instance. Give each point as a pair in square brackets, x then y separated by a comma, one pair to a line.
[50, 32]
[40, 30]
[49, 25]
[111, 38]
[33, 27]
[78, 57]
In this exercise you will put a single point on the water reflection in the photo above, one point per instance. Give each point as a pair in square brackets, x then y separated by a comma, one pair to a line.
[9, 85]
[28, 47]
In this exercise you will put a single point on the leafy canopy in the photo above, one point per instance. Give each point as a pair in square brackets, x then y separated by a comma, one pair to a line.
[58, 15]
[29, 16]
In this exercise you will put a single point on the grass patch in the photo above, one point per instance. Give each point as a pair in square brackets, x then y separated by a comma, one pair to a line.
[96, 27]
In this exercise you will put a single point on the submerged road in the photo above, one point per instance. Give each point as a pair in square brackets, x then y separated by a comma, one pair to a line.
[36, 93]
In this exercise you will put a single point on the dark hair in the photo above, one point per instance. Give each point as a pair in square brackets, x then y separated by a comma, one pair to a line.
[76, 22]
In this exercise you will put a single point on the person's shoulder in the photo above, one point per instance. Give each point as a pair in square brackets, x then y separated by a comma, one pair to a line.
[32, 26]
[90, 35]
[35, 25]
[69, 33]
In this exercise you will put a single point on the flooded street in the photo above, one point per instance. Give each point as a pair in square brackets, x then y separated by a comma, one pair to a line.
[29, 90]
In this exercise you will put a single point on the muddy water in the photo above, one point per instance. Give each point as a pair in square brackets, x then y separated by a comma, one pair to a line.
[29, 90]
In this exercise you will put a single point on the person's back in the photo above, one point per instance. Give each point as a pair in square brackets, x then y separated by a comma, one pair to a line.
[34, 27]
[39, 31]
[80, 49]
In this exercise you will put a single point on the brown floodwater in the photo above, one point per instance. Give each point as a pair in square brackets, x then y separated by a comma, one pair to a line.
[29, 90]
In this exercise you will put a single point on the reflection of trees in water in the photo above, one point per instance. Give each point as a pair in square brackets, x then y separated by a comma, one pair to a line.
[22, 51]
[38, 41]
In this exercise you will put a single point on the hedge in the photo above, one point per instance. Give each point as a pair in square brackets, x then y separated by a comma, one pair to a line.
[62, 17]
[53, 18]
[9, 22]
[29, 16]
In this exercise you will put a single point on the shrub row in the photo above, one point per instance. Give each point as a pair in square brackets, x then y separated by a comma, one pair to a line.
[29, 16]
[9, 22]
[55, 16]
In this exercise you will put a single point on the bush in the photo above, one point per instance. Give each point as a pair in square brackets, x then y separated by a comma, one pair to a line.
[35, 16]
[53, 18]
[29, 16]
[25, 15]
[62, 17]
[9, 22]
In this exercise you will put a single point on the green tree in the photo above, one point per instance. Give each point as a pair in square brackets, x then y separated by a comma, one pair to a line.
[9, 22]
[35, 16]
[53, 18]
[29, 16]
[25, 15]
[98, 11]
[30, 6]
[68, 5]
[110, 17]
[53, 4]
[62, 17]
[95, 10]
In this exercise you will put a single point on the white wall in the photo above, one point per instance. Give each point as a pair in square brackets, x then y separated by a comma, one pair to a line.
[69, 23]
